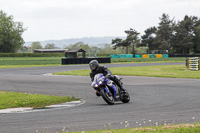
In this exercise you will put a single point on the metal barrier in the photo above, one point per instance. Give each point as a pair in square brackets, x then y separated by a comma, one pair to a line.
[193, 63]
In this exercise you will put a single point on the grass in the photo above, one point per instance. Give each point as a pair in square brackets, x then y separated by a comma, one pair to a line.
[30, 61]
[170, 71]
[14, 99]
[21, 62]
[182, 128]
[24, 66]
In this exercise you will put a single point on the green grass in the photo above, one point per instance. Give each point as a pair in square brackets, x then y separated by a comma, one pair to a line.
[24, 66]
[13, 99]
[170, 71]
[30, 61]
[20, 62]
[182, 128]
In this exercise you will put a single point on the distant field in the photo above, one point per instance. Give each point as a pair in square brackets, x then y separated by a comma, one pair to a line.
[57, 60]
[30, 60]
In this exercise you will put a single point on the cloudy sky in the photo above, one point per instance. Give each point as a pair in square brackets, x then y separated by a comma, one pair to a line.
[63, 19]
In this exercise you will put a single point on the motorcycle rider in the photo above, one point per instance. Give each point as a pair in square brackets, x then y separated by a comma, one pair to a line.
[96, 69]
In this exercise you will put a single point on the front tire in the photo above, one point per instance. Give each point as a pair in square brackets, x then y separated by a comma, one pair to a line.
[125, 98]
[107, 97]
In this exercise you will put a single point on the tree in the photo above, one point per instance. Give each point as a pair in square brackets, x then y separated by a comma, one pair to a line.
[117, 43]
[36, 45]
[10, 34]
[79, 45]
[50, 46]
[183, 40]
[197, 34]
[197, 40]
[131, 39]
[107, 49]
[164, 33]
[148, 38]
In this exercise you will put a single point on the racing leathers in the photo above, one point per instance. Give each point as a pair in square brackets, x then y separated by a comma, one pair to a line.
[106, 72]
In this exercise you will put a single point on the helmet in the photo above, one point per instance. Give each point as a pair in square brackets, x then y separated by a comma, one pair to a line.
[94, 64]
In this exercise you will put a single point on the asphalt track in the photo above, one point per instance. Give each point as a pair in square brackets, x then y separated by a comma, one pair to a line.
[154, 101]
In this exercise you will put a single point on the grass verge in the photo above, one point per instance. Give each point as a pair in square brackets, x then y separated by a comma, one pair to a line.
[182, 128]
[30, 60]
[14, 99]
[21, 62]
[169, 71]
[24, 66]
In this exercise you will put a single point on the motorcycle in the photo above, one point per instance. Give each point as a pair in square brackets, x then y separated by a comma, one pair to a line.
[108, 89]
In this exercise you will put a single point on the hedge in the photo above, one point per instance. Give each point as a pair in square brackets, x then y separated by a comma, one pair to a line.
[32, 55]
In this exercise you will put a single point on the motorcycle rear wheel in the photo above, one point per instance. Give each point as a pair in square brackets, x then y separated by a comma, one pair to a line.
[107, 97]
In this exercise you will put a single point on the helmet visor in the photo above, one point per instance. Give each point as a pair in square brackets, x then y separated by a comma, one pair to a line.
[93, 67]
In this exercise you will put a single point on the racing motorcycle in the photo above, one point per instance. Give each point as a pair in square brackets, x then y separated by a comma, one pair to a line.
[108, 89]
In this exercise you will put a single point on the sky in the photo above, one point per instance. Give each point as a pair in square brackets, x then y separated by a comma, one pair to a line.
[64, 19]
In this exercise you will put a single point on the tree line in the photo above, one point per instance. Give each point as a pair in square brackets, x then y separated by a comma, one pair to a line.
[107, 48]
[182, 37]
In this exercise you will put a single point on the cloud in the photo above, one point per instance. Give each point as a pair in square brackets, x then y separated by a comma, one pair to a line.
[60, 19]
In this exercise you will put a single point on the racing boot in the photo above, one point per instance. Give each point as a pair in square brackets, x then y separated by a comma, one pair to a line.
[119, 84]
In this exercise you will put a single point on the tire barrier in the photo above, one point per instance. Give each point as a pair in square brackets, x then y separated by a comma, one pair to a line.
[192, 63]
[145, 56]
[68, 61]
[158, 55]
[151, 55]
[140, 56]
[121, 55]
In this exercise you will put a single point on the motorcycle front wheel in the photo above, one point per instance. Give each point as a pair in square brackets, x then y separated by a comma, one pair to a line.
[107, 97]
[125, 97]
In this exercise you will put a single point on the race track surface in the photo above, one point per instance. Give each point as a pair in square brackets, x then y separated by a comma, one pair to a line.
[153, 101]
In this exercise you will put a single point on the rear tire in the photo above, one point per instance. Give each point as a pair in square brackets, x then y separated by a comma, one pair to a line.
[107, 97]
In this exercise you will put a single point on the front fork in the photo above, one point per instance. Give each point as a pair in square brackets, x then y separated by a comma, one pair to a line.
[105, 88]
[110, 85]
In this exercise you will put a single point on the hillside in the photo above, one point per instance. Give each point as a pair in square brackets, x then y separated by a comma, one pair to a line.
[91, 41]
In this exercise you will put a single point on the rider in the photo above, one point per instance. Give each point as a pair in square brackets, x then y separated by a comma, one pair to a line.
[96, 68]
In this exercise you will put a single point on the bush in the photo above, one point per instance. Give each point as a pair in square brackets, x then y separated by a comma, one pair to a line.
[32, 55]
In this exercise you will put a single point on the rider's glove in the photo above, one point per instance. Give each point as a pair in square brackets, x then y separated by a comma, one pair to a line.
[108, 76]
